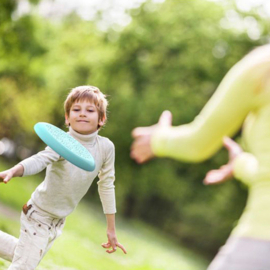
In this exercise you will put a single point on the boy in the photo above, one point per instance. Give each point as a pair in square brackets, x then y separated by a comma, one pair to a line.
[43, 216]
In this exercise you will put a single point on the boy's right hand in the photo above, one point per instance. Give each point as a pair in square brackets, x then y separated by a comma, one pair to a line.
[17, 170]
[5, 176]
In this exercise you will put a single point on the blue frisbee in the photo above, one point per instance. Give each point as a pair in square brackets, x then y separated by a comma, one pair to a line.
[65, 145]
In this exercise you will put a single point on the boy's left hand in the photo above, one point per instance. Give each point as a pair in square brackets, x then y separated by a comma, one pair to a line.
[113, 244]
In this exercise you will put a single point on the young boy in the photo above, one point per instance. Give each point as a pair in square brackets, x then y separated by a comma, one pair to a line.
[43, 216]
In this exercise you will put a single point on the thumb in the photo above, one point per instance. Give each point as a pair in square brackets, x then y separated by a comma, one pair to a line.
[165, 119]
[233, 147]
[7, 178]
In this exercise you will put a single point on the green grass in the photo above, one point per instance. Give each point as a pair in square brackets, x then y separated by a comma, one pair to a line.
[80, 245]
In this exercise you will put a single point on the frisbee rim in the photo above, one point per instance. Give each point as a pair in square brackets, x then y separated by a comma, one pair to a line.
[77, 160]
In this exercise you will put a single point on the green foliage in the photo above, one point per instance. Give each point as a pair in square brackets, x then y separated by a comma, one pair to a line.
[172, 56]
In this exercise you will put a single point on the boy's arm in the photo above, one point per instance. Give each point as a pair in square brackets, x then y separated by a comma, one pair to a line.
[31, 165]
[39, 161]
[13, 172]
[111, 234]
[106, 188]
[107, 196]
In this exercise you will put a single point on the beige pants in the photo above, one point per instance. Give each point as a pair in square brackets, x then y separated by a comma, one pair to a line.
[38, 232]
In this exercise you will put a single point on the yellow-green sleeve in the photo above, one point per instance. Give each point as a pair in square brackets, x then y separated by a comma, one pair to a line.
[222, 116]
[245, 168]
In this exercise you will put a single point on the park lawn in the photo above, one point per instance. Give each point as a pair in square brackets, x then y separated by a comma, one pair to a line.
[79, 248]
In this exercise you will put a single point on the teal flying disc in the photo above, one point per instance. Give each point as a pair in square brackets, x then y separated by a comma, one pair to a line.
[65, 145]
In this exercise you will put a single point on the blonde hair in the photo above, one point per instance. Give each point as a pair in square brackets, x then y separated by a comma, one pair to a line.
[89, 93]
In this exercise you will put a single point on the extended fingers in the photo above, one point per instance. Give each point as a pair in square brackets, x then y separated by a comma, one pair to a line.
[218, 176]
[141, 131]
[5, 177]
[165, 119]
[109, 245]
[114, 247]
[122, 247]
[141, 149]
[106, 245]
[233, 147]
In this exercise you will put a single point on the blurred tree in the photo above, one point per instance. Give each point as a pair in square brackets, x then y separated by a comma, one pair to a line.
[20, 73]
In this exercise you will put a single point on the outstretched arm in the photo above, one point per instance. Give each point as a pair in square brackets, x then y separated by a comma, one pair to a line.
[222, 116]
[31, 165]
[16, 171]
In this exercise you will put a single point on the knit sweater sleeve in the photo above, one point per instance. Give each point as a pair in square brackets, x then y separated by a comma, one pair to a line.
[106, 176]
[222, 116]
[39, 161]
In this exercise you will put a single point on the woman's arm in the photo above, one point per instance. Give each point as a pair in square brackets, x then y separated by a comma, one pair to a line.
[222, 116]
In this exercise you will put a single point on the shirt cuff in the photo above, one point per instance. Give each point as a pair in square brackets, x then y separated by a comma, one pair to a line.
[24, 169]
[245, 167]
[159, 141]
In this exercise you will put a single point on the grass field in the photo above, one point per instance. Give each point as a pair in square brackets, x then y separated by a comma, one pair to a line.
[79, 248]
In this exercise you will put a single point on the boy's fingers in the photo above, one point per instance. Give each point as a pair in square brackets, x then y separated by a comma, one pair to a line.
[2, 176]
[106, 245]
[7, 178]
[122, 247]
[110, 251]
[113, 247]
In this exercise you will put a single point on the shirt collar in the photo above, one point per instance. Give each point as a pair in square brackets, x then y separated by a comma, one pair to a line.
[88, 139]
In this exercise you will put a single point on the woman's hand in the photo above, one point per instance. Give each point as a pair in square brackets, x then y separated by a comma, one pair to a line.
[225, 172]
[141, 150]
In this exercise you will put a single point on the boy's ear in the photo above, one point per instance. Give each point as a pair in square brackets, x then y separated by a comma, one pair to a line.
[66, 121]
[102, 122]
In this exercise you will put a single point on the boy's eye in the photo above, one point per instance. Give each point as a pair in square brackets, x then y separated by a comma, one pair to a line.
[76, 110]
[90, 110]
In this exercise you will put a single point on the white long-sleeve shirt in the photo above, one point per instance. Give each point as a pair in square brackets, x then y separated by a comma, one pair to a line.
[65, 184]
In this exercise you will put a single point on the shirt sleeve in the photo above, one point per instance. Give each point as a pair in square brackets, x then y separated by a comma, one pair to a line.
[222, 116]
[106, 176]
[245, 168]
[39, 162]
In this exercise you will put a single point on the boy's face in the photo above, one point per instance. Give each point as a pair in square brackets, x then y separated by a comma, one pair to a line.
[83, 117]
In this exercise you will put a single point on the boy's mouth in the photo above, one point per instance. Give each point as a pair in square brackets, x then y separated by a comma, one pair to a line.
[82, 121]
